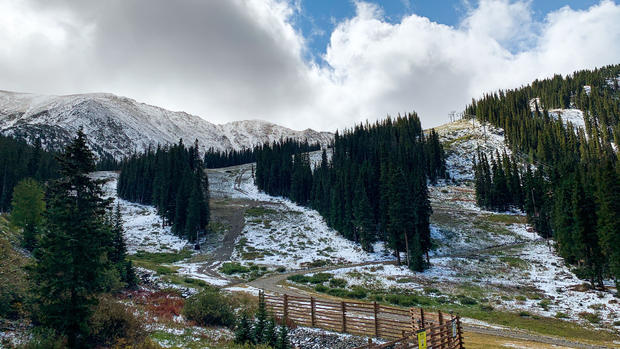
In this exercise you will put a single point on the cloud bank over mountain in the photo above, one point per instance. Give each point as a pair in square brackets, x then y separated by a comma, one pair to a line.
[235, 60]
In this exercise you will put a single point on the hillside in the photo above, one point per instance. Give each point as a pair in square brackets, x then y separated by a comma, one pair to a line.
[117, 126]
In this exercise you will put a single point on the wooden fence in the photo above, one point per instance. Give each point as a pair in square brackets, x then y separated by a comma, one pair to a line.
[369, 319]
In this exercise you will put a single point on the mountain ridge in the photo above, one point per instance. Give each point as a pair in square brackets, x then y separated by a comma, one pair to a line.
[118, 126]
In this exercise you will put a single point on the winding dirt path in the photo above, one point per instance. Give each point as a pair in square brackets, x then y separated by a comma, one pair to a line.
[274, 284]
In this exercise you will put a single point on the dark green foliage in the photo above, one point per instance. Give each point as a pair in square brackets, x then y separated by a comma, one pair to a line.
[118, 253]
[276, 170]
[108, 163]
[18, 160]
[375, 187]
[282, 342]
[498, 186]
[173, 180]
[270, 336]
[262, 329]
[27, 210]
[71, 265]
[573, 194]
[260, 320]
[243, 333]
[217, 159]
[209, 308]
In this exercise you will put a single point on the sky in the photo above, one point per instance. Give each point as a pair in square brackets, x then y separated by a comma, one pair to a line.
[322, 64]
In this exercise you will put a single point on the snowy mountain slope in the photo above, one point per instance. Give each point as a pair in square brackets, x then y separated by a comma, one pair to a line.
[118, 126]
[461, 141]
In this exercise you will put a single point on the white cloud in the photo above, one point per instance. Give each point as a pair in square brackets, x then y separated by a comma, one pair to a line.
[231, 60]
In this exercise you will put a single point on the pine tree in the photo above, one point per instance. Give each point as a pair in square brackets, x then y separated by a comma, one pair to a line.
[270, 336]
[608, 199]
[71, 257]
[363, 221]
[283, 342]
[243, 333]
[260, 321]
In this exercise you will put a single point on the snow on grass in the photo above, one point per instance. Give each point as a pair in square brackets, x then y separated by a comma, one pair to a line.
[196, 271]
[143, 230]
[462, 139]
[247, 289]
[279, 232]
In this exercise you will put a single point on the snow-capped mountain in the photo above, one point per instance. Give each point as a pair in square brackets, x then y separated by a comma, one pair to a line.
[119, 126]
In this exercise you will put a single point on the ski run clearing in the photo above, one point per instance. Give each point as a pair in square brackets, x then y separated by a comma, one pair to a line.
[492, 258]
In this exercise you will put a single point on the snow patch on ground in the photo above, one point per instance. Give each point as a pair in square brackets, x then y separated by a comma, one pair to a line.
[282, 233]
[143, 230]
[574, 116]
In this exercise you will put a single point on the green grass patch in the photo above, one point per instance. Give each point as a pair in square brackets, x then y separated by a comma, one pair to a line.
[259, 211]
[252, 255]
[506, 218]
[515, 262]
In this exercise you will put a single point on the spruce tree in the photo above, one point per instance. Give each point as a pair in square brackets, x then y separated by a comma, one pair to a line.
[260, 320]
[283, 342]
[243, 333]
[72, 255]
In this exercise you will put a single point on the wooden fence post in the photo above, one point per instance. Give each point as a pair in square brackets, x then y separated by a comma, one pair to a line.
[422, 324]
[450, 331]
[441, 330]
[413, 321]
[376, 319]
[285, 310]
[459, 332]
[344, 318]
[312, 310]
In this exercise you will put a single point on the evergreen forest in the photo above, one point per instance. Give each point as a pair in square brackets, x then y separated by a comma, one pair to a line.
[571, 191]
[373, 189]
[19, 160]
[171, 178]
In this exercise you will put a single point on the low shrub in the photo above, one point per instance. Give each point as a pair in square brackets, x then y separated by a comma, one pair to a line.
[299, 278]
[338, 292]
[341, 283]
[545, 304]
[209, 307]
[358, 293]
[234, 268]
[465, 300]
[320, 278]
[165, 304]
[195, 281]
[321, 288]
[561, 315]
[594, 318]
[111, 322]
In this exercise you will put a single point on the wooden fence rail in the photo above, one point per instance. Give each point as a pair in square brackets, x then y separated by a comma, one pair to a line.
[370, 319]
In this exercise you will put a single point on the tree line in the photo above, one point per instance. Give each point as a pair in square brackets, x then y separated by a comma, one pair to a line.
[19, 160]
[373, 189]
[171, 178]
[573, 192]
[218, 159]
